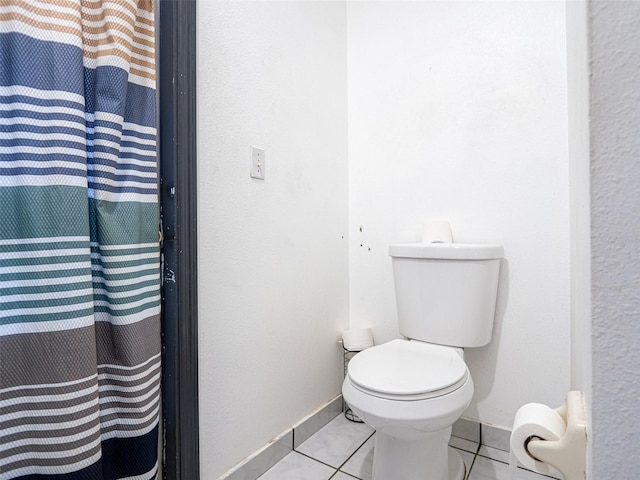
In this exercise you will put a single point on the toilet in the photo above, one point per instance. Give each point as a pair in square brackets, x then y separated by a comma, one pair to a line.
[412, 390]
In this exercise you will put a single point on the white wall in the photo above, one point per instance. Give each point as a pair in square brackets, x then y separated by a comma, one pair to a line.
[455, 110]
[579, 153]
[458, 110]
[273, 269]
[615, 237]
[580, 173]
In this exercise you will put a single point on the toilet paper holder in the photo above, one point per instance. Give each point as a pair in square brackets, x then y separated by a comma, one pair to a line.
[568, 454]
[353, 341]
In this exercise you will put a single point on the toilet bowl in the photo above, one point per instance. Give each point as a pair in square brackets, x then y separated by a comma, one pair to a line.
[411, 393]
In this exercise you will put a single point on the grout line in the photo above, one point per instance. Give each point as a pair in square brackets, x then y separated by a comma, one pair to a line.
[464, 438]
[473, 462]
[343, 463]
[344, 473]
[315, 459]
[293, 439]
[541, 474]
[465, 450]
[354, 452]
[475, 456]
[495, 459]
[507, 463]
[469, 471]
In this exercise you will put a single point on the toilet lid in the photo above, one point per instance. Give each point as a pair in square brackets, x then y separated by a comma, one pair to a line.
[408, 368]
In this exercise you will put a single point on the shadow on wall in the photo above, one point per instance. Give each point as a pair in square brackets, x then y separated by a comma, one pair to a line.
[487, 357]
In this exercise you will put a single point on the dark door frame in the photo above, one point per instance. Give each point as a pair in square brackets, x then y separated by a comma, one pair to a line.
[178, 167]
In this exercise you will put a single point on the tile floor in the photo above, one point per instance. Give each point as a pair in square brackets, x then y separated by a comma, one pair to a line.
[343, 450]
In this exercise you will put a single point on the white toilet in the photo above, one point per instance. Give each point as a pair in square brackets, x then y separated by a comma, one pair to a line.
[412, 391]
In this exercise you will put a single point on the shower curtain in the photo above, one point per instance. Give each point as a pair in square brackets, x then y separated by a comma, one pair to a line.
[79, 249]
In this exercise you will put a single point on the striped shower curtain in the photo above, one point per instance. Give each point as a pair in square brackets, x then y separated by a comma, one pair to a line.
[79, 250]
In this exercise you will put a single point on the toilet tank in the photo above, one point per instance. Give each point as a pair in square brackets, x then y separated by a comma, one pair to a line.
[446, 293]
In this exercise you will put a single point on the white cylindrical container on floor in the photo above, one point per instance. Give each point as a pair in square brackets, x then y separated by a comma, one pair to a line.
[357, 339]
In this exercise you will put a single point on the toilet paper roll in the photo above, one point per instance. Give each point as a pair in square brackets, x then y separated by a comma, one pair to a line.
[437, 231]
[535, 421]
[357, 339]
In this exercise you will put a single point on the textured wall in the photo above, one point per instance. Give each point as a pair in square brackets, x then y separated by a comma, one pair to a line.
[615, 220]
[273, 271]
[458, 110]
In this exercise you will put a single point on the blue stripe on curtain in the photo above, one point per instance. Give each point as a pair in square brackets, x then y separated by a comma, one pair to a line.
[110, 465]
[135, 110]
[79, 252]
[22, 63]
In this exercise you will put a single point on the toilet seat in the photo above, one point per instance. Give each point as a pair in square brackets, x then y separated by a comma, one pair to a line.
[408, 370]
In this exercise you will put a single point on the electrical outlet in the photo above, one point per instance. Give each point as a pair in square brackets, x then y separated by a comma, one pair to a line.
[257, 163]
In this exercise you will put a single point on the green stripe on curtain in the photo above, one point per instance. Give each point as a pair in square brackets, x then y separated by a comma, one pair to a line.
[34, 212]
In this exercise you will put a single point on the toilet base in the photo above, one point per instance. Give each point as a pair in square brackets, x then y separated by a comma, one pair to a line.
[457, 468]
[429, 458]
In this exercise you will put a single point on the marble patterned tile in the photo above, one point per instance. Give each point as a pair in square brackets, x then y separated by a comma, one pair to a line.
[502, 456]
[467, 458]
[495, 437]
[462, 444]
[467, 429]
[556, 476]
[263, 460]
[487, 469]
[342, 476]
[494, 454]
[314, 422]
[360, 464]
[336, 441]
[298, 467]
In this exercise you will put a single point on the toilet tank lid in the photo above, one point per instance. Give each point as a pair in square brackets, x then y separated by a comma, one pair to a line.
[447, 251]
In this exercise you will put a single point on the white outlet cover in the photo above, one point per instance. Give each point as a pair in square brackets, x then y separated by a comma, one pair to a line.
[257, 163]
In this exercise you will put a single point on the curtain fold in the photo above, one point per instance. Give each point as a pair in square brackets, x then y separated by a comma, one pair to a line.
[79, 252]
